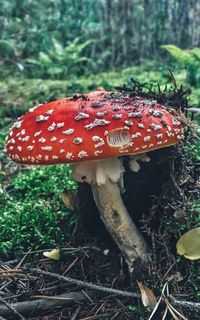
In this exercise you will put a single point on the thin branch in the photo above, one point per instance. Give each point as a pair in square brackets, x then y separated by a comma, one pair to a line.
[186, 304]
[81, 283]
[11, 308]
[40, 305]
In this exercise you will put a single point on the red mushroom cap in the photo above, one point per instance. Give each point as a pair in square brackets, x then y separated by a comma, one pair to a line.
[95, 126]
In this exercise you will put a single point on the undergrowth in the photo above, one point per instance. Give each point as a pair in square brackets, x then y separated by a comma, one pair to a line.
[32, 214]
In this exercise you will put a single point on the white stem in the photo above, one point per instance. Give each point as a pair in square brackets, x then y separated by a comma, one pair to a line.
[118, 222]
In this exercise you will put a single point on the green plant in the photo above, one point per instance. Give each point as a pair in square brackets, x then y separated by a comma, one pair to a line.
[188, 59]
[61, 62]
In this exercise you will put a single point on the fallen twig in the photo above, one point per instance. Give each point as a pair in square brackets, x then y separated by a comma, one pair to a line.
[186, 304]
[10, 308]
[37, 306]
[81, 283]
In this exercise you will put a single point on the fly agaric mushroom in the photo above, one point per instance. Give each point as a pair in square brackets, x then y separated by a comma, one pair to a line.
[93, 132]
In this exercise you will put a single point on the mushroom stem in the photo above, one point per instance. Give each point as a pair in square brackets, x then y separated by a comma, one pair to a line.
[118, 222]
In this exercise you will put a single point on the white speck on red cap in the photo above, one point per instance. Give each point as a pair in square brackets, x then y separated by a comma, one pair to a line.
[41, 118]
[52, 127]
[81, 115]
[68, 131]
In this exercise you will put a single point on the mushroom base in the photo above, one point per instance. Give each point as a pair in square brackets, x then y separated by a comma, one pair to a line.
[118, 223]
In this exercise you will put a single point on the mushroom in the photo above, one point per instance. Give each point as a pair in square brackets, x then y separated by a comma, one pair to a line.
[94, 132]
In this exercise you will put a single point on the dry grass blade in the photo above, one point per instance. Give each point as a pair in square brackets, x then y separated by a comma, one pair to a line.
[174, 311]
[159, 301]
[52, 298]
[165, 313]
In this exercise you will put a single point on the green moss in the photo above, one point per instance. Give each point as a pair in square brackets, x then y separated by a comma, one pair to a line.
[32, 214]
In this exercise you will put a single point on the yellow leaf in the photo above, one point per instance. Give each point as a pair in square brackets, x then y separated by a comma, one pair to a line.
[189, 244]
[147, 296]
[53, 254]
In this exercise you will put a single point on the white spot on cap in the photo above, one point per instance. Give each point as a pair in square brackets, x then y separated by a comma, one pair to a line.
[96, 138]
[49, 111]
[35, 107]
[155, 126]
[175, 122]
[53, 139]
[51, 127]
[61, 141]
[37, 133]
[128, 107]
[41, 118]
[169, 128]
[117, 116]
[69, 155]
[155, 113]
[169, 134]
[55, 157]
[159, 142]
[46, 158]
[62, 150]
[30, 148]
[69, 131]
[26, 138]
[23, 132]
[147, 138]
[128, 122]
[141, 125]
[116, 108]
[19, 148]
[82, 154]
[60, 124]
[18, 124]
[39, 157]
[77, 140]
[135, 114]
[97, 152]
[97, 122]
[100, 144]
[81, 115]
[177, 131]
[47, 148]
[101, 113]
[12, 141]
[136, 135]
[42, 140]
[159, 136]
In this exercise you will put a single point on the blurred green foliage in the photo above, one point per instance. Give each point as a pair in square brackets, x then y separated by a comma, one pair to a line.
[188, 60]
[60, 62]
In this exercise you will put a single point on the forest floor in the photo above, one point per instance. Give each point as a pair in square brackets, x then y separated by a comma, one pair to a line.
[34, 218]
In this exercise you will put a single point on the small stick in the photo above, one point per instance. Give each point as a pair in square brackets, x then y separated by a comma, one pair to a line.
[82, 283]
[11, 308]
